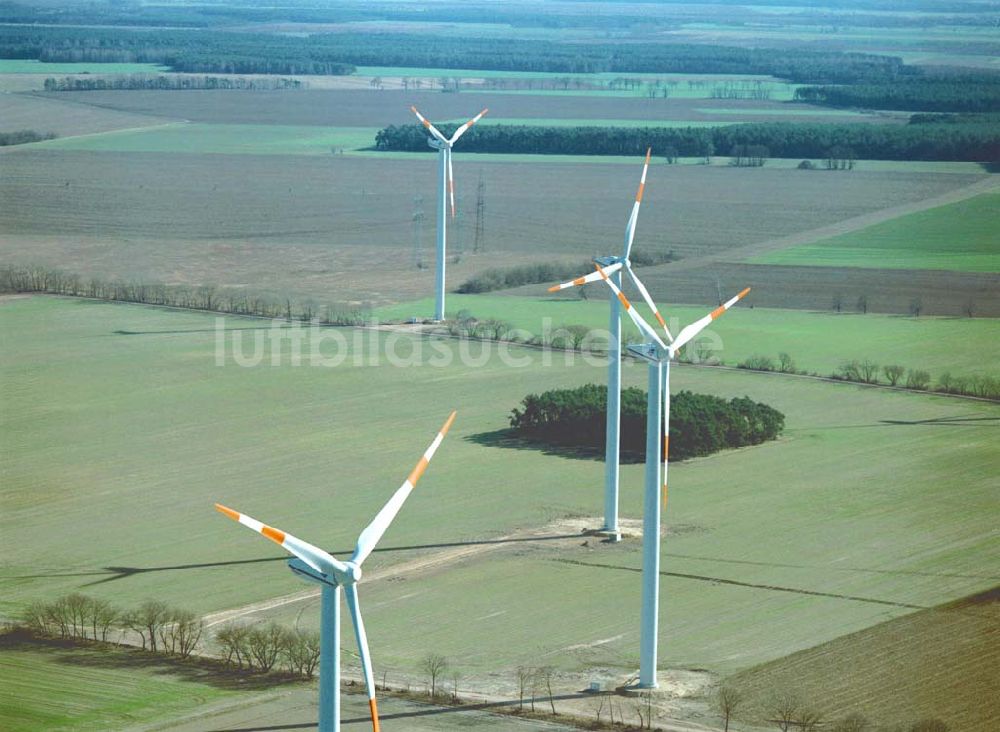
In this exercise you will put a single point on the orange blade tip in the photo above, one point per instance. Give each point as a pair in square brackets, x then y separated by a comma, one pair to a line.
[744, 293]
[554, 288]
[649, 151]
[447, 425]
[373, 706]
[234, 515]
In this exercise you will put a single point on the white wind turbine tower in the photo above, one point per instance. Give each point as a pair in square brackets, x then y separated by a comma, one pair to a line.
[658, 354]
[447, 190]
[315, 565]
[612, 266]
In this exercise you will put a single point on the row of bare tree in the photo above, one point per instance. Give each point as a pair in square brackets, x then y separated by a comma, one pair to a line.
[161, 628]
[263, 647]
[205, 297]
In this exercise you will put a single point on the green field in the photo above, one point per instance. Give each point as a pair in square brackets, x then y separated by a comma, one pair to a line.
[119, 432]
[84, 689]
[228, 139]
[29, 66]
[960, 236]
[817, 341]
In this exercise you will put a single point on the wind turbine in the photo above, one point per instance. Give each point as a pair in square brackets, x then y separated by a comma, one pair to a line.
[612, 266]
[443, 145]
[315, 565]
[658, 354]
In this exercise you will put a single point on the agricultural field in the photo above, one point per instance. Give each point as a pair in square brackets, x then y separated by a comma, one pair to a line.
[945, 660]
[65, 688]
[370, 108]
[25, 112]
[30, 66]
[961, 236]
[304, 225]
[159, 432]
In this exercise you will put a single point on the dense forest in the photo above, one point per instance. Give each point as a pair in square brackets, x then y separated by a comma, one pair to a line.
[514, 13]
[969, 141]
[700, 424]
[957, 93]
[23, 137]
[244, 53]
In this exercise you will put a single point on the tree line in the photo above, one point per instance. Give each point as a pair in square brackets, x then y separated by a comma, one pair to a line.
[22, 137]
[170, 82]
[216, 51]
[867, 371]
[205, 297]
[969, 93]
[700, 424]
[969, 141]
[503, 278]
[174, 632]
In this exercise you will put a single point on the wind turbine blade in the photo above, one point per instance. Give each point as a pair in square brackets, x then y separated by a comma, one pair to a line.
[696, 327]
[461, 130]
[374, 531]
[315, 557]
[451, 183]
[351, 595]
[641, 324]
[649, 301]
[634, 216]
[592, 277]
[431, 128]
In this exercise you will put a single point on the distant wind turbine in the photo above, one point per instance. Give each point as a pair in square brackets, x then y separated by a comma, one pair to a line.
[658, 354]
[315, 565]
[447, 191]
[612, 266]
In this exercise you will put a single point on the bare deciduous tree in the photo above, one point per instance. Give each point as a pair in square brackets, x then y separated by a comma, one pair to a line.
[728, 699]
[545, 675]
[784, 708]
[893, 373]
[434, 664]
[524, 676]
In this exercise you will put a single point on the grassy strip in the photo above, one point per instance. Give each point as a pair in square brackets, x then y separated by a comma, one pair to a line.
[959, 236]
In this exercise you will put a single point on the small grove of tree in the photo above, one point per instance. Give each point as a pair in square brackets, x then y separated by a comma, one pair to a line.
[434, 665]
[263, 648]
[23, 137]
[700, 424]
[748, 156]
[865, 371]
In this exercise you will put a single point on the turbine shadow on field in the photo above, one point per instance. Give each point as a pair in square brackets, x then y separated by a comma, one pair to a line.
[118, 572]
[861, 570]
[958, 421]
[177, 332]
[507, 438]
[750, 585]
[433, 711]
